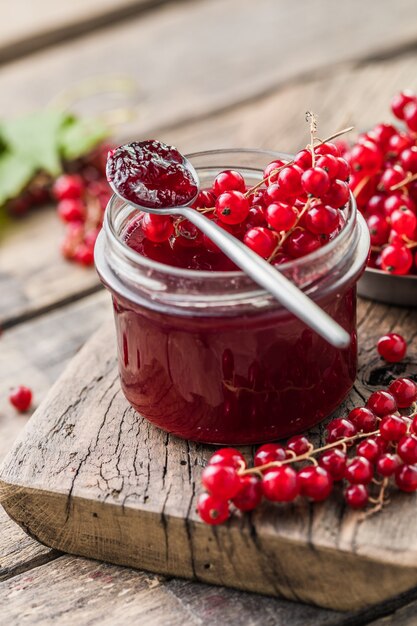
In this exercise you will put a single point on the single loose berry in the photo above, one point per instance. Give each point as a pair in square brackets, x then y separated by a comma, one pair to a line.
[281, 484]
[387, 464]
[340, 428]
[315, 483]
[21, 398]
[357, 496]
[363, 418]
[392, 347]
[229, 457]
[406, 478]
[407, 449]
[392, 427]
[359, 471]
[261, 240]
[334, 461]
[212, 510]
[232, 207]
[229, 180]
[381, 403]
[221, 481]
[269, 453]
[250, 493]
[404, 391]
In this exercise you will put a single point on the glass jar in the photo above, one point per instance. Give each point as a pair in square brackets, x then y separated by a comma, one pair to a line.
[211, 357]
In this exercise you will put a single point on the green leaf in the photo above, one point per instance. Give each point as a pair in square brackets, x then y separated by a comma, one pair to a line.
[79, 136]
[15, 173]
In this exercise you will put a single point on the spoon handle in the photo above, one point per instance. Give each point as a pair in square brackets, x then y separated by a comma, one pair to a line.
[268, 277]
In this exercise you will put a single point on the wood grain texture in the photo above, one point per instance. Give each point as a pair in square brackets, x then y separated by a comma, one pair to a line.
[124, 492]
[186, 63]
[42, 279]
[86, 592]
[29, 25]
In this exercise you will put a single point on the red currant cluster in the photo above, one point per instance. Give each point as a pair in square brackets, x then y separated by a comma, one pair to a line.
[293, 211]
[82, 198]
[381, 439]
[384, 181]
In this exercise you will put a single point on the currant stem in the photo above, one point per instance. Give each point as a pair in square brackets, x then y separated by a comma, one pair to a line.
[405, 181]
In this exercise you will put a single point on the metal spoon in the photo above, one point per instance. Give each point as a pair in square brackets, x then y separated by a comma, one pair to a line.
[262, 272]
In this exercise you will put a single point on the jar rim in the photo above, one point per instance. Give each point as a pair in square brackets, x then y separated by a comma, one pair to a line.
[163, 268]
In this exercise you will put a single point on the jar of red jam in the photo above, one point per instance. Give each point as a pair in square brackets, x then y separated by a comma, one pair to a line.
[209, 356]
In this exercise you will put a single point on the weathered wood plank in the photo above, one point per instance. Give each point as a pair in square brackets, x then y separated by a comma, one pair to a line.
[179, 79]
[87, 592]
[42, 278]
[113, 498]
[29, 26]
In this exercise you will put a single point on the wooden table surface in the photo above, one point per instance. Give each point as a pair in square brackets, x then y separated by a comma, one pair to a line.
[206, 74]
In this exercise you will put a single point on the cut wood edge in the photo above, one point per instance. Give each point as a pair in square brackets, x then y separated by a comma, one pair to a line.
[216, 555]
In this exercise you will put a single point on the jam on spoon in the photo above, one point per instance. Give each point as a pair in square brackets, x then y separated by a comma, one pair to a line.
[151, 174]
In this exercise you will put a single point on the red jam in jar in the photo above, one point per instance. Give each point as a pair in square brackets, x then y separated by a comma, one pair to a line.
[204, 353]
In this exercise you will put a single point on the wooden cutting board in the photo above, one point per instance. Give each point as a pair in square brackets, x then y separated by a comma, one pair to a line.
[89, 476]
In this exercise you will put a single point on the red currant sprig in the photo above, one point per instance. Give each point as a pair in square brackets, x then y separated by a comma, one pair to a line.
[374, 446]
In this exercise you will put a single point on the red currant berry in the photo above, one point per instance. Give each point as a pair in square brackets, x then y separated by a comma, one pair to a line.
[212, 510]
[410, 116]
[315, 181]
[343, 171]
[261, 240]
[397, 201]
[392, 427]
[400, 101]
[315, 483]
[379, 229]
[407, 449]
[404, 222]
[289, 180]
[188, 235]
[322, 220]
[281, 484]
[269, 453]
[369, 449]
[327, 148]
[334, 461]
[229, 180]
[366, 157]
[329, 164]
[392, 347]
[391, 177]
[397, 143]
[396, 259]
[281, 216]
[356, 496]
[157, 228]
[359, 471]
[205, 200]
[299, 445]
[301, 242]
[381, 403]
[21, 398]
[84, 255]
[375, 204]
[406, 478]
[340, 428]
[404, 391]
[382, 133]
[338, 194]
[387, 464]
[363, 418]
[229, 457]
[221, 481]
[274, 193]
[270, 174]
[408, 159]
[303, 159]
[232, 207]
[68, 186]
[250, 493]
[256, 217]
[71, 210]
